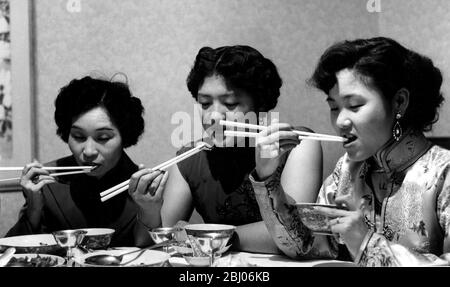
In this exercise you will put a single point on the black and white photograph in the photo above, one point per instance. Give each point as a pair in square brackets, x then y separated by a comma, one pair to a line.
[245, 134]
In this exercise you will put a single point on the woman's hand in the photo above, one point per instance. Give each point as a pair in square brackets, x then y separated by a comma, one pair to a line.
[146, 187]
[34, 177]
[271, 144]
[350, 225]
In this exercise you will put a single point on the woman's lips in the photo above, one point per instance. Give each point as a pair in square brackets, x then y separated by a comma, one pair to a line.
[94, 165]
[350, 140]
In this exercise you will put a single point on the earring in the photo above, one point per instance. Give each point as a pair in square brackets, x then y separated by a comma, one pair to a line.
[397, 131]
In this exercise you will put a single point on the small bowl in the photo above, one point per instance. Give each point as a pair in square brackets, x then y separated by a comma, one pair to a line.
[203, 237]
[198, 261]
[162, 234]
[97, 238]
[315, 221]
[187, 250]
[202, 229]
[69, 237]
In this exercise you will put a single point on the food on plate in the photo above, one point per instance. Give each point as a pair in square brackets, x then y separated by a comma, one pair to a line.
[38, 261]
[233, 260]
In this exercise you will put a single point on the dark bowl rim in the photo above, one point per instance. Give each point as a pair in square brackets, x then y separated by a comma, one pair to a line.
[306, 204]
[110, 231]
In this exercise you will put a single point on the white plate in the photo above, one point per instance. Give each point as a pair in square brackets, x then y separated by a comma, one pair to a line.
[197, 261]
[335, 263]
[35, 243]
[97, 231]
[147, 258]
[56, 260]
[275, 260]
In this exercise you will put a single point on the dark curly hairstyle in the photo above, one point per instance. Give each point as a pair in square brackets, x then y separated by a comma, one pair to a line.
[242, 67]
[82, 95]
[387, 66]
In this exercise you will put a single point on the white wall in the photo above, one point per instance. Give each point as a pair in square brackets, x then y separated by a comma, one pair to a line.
[155, 41]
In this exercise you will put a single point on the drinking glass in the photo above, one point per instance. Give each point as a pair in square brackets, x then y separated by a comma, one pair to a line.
[69, 239]
[162, 234]
[211, 243]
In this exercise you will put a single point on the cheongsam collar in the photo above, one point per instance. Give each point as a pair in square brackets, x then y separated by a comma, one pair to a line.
[396, 156]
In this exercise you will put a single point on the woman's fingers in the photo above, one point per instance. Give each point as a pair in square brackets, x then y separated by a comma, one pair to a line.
[276, 127]
[44, 181]
[34, 170]
[145, 182]
[27, 167]
[135, 177]
[276, 137]
[155, 183]
[35, 177]
[160, 189]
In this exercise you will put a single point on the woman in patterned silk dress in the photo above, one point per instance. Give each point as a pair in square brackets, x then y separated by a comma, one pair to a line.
[393, 182]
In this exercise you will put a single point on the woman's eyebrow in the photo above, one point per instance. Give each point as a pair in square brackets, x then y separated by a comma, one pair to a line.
[347, 96]
[230, 94]
[105, 129]
[98, 129]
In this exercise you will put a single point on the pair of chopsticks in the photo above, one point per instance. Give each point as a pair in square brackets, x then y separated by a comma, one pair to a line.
[121, 187]
[302, 134]
[78, 169]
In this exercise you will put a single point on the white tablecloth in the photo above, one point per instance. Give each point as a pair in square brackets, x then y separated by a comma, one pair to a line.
[266, 260]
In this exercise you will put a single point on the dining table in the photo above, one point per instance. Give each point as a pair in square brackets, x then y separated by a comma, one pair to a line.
[239, 259]
[44, 248]
[248, 259]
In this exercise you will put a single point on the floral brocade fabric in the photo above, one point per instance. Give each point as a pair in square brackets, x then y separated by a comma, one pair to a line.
[404, 192]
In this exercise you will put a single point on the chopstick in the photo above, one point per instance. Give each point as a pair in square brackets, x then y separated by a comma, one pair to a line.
[240, 134]
[18, 168]
[302, 134]
[160, 166]
[254, 135]
[51, 174]
[121, 187]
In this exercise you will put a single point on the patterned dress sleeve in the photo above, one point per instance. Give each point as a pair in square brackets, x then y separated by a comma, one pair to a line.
[282, 219]
[376, 250]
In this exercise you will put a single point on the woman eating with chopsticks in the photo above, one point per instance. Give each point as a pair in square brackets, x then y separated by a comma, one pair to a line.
[232, 80]
[392, 183]
[98, 119]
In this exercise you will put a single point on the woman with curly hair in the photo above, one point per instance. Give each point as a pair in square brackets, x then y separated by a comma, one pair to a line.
[393, 183]
[229, 82]
[98, 119]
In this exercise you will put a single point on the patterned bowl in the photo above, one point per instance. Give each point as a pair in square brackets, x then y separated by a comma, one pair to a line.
[187, 249]
[315, 221]
[202, 229]
[97, 238]
[203, 237]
